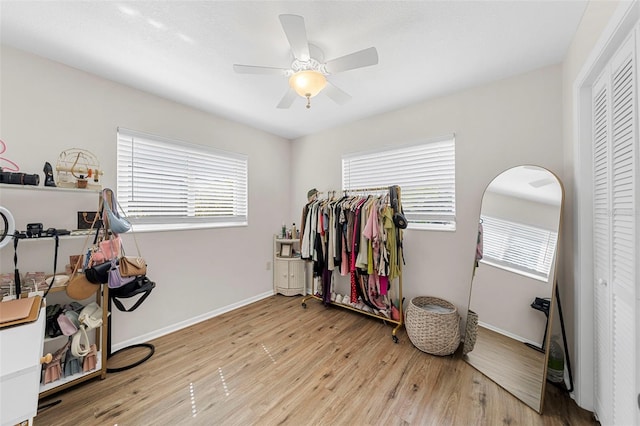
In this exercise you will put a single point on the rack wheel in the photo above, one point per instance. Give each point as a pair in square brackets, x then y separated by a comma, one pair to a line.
[304, 305]
[395, 339]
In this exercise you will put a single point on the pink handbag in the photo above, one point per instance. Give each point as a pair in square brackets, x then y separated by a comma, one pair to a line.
[53, 370]
[90, 360]
[107, 250]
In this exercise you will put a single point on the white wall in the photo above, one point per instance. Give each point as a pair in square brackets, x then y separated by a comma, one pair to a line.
[502, 301]
[520, 210]
[47, 107]
[511, 122]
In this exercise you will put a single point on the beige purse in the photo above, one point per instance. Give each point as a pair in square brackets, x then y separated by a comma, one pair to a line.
[131, 266]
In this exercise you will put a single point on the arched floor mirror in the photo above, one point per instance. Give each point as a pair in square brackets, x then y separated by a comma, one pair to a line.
[513, 282]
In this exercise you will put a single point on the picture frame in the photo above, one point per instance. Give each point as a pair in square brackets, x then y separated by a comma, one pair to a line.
[286, 250]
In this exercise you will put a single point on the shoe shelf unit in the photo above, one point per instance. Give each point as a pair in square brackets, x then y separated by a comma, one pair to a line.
[97, 337]
[289, 270]
[398, 323]
[54, 208]
[359, 306]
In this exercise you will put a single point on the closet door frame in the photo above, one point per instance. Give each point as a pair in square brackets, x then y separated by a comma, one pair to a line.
[622, 23]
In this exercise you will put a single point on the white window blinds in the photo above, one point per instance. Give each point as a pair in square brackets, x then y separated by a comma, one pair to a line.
[161, 181]
[424, 172]
[518, 247]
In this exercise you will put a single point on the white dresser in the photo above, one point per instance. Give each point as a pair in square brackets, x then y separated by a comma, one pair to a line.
[20, 352]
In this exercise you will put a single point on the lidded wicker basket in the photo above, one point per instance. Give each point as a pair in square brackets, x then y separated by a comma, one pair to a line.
[471, 332]
[433, 325]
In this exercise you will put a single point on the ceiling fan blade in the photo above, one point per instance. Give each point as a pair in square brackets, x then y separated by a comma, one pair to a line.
[287, 99]
[251, 69]
[338, 95]
[294, 29]
[359, 59]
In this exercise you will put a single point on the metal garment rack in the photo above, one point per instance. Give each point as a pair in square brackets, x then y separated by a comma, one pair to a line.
[400, 322]
[151, 349]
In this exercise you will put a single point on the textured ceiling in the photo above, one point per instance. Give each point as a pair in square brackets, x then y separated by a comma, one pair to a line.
[185, 50]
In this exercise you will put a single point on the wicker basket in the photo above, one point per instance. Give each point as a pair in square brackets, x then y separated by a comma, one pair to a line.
[471, 332]
[436, 333]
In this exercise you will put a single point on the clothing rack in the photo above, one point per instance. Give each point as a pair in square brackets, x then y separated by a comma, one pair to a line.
[400, 261]
[375, 189]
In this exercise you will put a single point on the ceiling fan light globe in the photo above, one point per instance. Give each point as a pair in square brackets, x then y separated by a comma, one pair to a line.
[307, 83]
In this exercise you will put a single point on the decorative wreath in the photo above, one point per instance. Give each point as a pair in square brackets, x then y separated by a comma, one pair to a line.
[74, 164]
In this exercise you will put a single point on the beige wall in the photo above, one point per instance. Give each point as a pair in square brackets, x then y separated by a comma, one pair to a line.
[47, 107]
[510, 122]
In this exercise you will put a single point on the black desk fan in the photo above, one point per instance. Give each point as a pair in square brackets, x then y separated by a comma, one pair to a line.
[544, 306]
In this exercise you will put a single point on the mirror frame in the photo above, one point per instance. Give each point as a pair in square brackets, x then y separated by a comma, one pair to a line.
[552, 280]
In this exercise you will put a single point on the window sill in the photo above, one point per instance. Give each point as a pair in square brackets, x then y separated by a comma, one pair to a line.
[432, 227]
[161, 227]
[515, 271]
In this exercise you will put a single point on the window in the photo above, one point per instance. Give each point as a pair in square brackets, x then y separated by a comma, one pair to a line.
[424, 172]
[179, 185]
[523, 249]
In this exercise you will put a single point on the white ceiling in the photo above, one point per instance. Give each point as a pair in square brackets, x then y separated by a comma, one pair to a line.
[185, 50]
[529, 182]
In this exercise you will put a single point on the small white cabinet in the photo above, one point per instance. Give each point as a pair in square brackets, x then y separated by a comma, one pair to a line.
[20, 370]
[289, 270]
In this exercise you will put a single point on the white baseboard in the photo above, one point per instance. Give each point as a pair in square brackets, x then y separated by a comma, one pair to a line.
[187, 323]
[506, 333]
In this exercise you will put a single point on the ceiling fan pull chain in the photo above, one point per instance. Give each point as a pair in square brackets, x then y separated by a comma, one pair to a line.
[308, 101]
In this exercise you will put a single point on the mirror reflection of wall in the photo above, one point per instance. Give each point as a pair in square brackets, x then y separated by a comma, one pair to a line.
[519, 243]
[520, 221]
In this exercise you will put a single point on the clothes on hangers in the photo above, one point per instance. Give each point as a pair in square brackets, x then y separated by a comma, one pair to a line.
[354, 236]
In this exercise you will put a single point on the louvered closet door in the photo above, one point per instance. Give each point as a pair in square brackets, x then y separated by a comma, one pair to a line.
[601, 253]
[615, 162]
[623, 242]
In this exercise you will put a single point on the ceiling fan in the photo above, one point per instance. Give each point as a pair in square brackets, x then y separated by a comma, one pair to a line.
[308, 71]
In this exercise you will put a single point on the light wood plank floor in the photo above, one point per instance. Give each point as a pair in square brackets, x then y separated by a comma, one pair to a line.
[509, 362]
[275, 363]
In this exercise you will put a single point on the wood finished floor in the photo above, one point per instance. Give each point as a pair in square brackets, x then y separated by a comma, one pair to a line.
[517, 367]
[275, 363]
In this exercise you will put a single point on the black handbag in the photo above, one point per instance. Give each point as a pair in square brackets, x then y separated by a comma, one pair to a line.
[52, 326]
[89, 220]
[399, 219]
[98, 274]
[140, 285]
